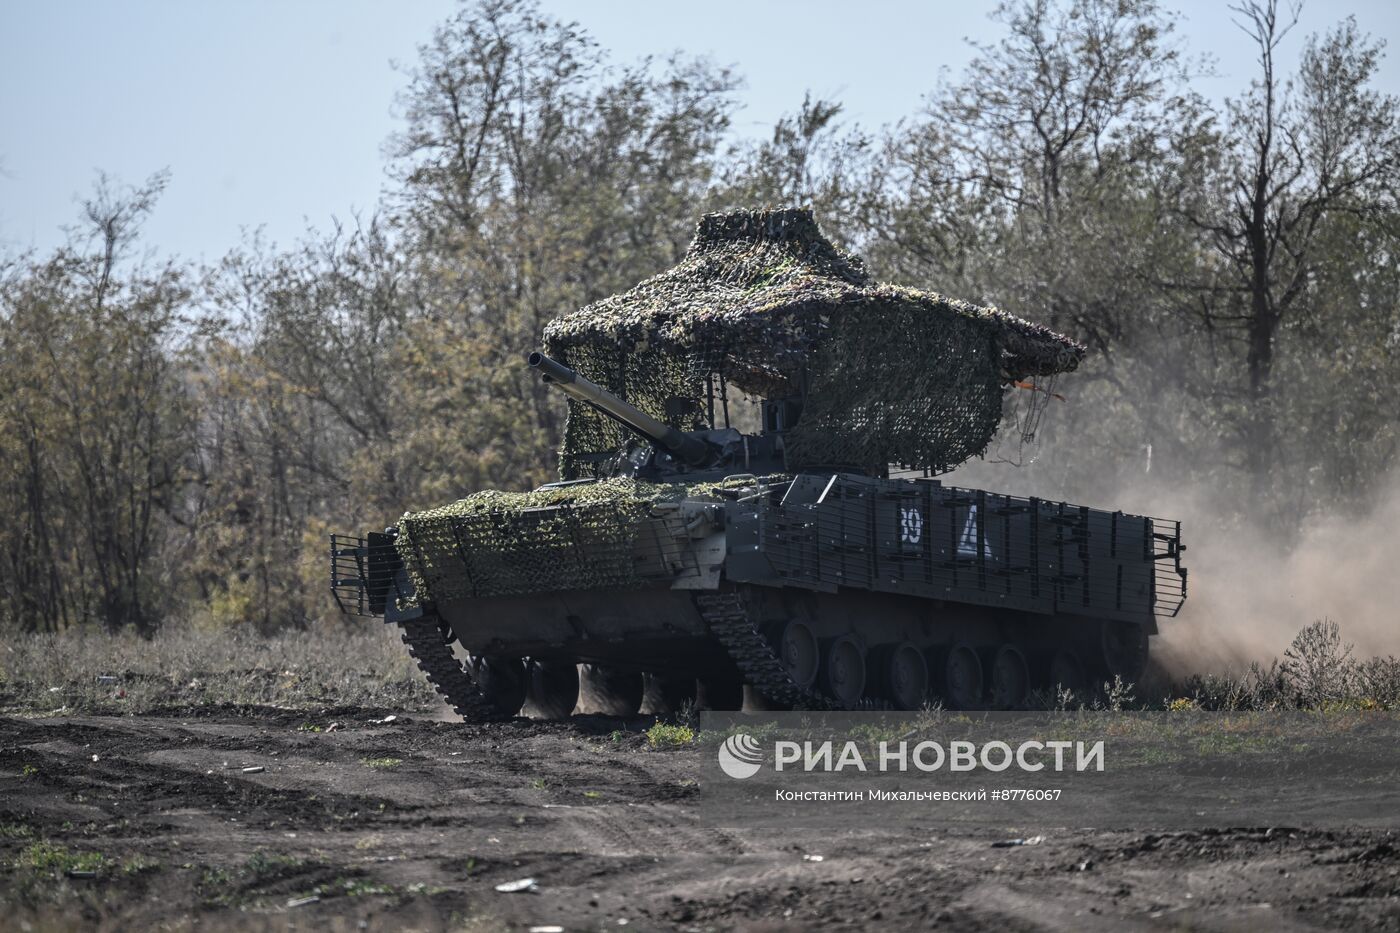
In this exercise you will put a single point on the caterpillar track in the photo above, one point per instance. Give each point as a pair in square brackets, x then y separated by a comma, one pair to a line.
[429, 642]
[729, 621]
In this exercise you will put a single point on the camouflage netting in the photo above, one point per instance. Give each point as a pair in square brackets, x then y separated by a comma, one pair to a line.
[504, 543]
[566, 538]
[763, 303]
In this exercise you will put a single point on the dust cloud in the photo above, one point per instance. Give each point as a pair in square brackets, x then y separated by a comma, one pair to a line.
[1252, 592]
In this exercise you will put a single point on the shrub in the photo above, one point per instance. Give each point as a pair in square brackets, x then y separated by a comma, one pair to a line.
[1317, 667]
[664, 735]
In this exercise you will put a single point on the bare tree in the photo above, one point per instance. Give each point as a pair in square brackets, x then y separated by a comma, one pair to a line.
[1299, 154]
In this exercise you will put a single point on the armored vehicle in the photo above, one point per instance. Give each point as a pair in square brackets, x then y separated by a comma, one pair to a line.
[812, 561]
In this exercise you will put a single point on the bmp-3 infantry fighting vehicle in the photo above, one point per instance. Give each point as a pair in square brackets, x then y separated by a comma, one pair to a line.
[679, 556]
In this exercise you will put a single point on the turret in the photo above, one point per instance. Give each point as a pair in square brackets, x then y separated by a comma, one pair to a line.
[855, 373]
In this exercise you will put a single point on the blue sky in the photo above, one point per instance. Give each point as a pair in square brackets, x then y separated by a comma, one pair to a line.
[273, 114]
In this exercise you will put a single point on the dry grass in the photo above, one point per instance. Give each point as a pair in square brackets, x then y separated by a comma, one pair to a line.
[335, 666]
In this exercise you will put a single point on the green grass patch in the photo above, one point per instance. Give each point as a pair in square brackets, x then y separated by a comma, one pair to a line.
[50, 859]
[262, 866]
[360, 887]
[246, 884]
[663, 735]
[136, 865]
[381, 764]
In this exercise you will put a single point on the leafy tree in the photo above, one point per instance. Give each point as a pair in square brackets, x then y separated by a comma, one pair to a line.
[97, 421]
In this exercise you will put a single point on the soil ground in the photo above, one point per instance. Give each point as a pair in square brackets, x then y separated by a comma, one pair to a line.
[144, 822]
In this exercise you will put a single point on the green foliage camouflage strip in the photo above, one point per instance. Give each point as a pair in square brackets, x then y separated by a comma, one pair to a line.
[506, 543]
[765, 304]
[618, 533]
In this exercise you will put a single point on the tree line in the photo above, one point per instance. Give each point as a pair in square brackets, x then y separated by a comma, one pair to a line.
[178, 441]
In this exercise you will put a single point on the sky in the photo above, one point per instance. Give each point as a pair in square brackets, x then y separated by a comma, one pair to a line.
[272, 114]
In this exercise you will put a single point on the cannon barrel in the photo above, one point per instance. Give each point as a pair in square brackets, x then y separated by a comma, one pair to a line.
[678, 444]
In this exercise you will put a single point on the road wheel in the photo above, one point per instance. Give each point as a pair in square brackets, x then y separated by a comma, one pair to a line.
[502, 682]
[553, 689]
[664, 694]
[800, 653]
[961, 681]
[609, 691]
[724, 696]
[843, 671]
[1011, 678]
[1067, 673]
[906, 677]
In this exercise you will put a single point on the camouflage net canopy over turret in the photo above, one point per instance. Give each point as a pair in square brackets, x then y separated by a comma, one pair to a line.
[765, 304]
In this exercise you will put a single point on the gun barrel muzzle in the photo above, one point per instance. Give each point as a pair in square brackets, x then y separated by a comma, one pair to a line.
[552, 370]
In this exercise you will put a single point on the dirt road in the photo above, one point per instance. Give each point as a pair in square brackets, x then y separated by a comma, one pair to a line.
[141, 822]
